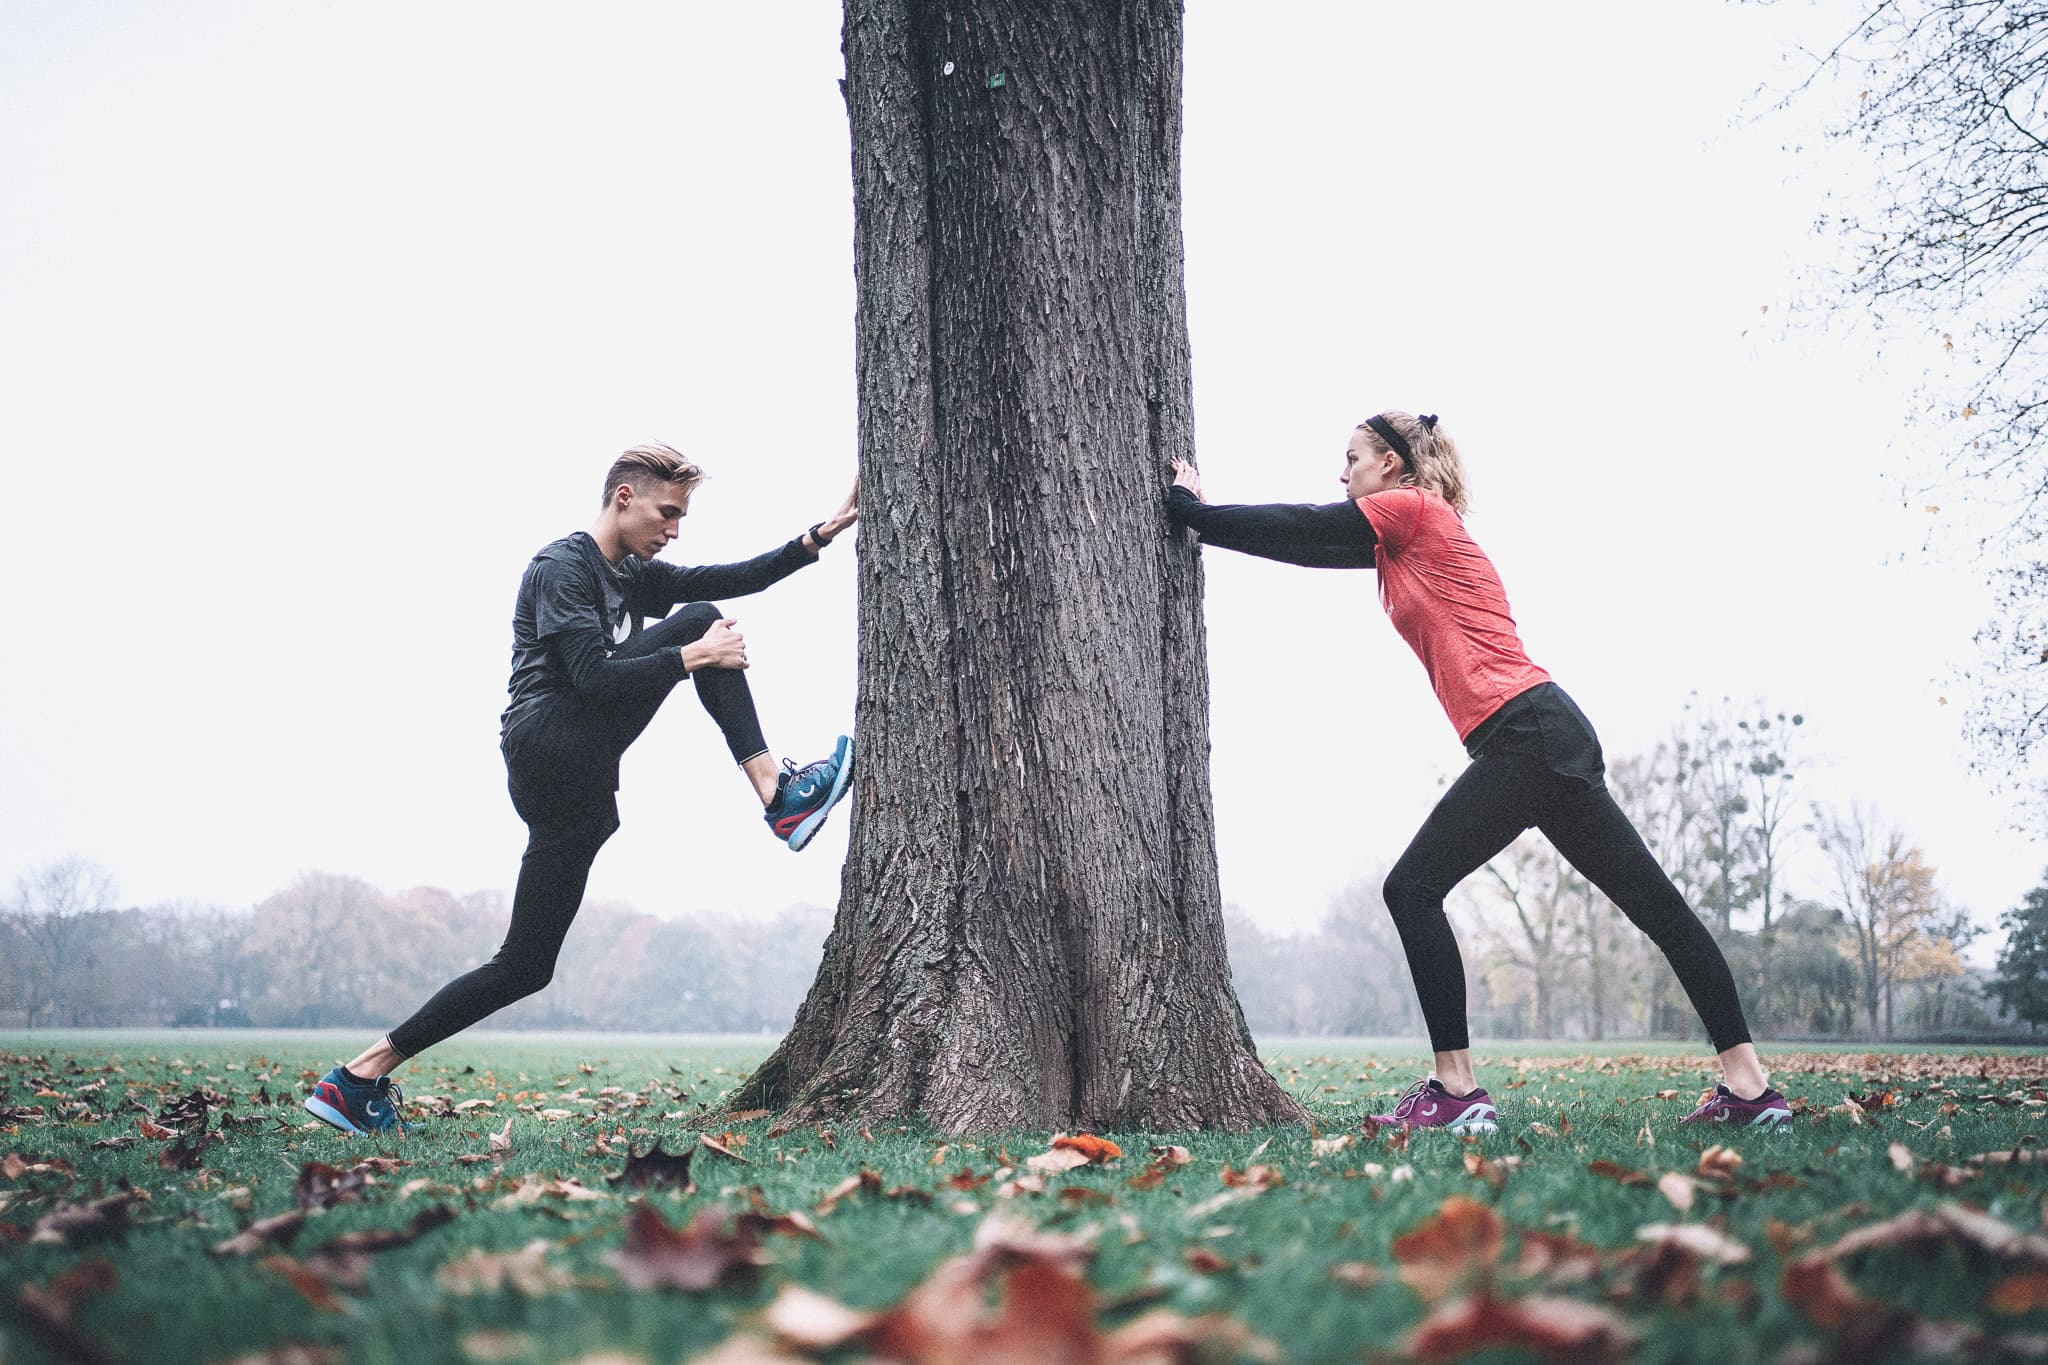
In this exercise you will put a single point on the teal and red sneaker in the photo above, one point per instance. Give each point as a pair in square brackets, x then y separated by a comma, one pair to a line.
[1768, 1111]
[805, 796]
[1426, 1104]
[357, 1106]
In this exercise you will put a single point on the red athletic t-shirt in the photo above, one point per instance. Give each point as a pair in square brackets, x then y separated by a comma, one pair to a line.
[1445, 599]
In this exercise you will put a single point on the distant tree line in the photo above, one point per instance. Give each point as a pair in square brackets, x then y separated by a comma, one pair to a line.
[1833, 920]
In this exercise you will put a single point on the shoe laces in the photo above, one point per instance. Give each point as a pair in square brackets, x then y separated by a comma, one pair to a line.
[393, 1095]
[1410, 1096]
[796, 774]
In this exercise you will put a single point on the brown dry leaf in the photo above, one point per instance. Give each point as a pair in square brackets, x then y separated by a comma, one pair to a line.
[70, 1224]
[2025, 1292]
[763, 1223]
[1813, 1286]
[1901, 1155]
[1023, 1184]
[1679, 1189]
[726, 1145]
[501, 1141]
[1331, 1146]
[485, 1272]
[1557, 1256]
[1621, 1175]
[1042, 1310]
[868, 1180]
[1493, 1170]
[700, 1256]
[1203, 1261]
[59, 1299]
[530, 1190]
[1718, 1163]
[1707, 1243]
[742, 1348]
[1947, 1223]
[321, 1186]
[154, 1131]
[1556, 1329]
[312, 1287]
[1151, 1178]
[276, 1231]
[181, 1155]
[1163, 1337]
[1462, 1236]
[1256, 1177]
[1358, 1274]
[654, 1169]
[812, 1322]
[1169, 1158]
[1056, 1160]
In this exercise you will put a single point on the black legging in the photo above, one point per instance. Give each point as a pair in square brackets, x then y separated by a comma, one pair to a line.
[1537, 762]
[568, 819]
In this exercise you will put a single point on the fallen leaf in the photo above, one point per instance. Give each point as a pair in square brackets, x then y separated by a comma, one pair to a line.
[868, 1180]
[275, 1231]
[1719, 1163]
[1357, 1274]
[1096, 1149]
[1254, 1177]
[1678, 1189]
[2025, 1292]
[809, 1320]
[70, 1224]
[155, 1132]
[700, 1256]
[1331, 1146]
[1813, 1286]
[1556, 1329]
[1622, 1175]
[654, 1169]
[719, 1145]
[1056, 1160]
[181, 1155]
[1697, 1238]
[313, 1288]
[321, 1186]
[1171, 1158]
[1461, 1237]
[1901, 1155]
[484, 1272]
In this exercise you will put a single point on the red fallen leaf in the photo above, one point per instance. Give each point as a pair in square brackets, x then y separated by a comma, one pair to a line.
[321, 1186]
[1813, 1286]
[312, 1288]
[1463, 1235]
[155, 1132]
[1621, 1175]
[1555, 1329]
[280, 1230]
[1096, 1149]
[965, 1179]
[657, 1256]
[1151, 1178]
[1042, 1311]
[1203, 1261]
[719, 1145]
[1080, 1195]
[2025, 1292]
[654, 1169]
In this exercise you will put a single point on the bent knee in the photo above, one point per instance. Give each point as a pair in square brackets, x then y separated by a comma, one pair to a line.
[699, 616]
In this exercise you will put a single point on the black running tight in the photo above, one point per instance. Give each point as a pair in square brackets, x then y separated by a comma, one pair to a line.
[1536, 762]
[557, 764]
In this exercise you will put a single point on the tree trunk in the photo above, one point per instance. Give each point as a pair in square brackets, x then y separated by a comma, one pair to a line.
[1030, 931]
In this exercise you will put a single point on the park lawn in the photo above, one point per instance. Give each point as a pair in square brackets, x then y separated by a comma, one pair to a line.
[1303, 1256]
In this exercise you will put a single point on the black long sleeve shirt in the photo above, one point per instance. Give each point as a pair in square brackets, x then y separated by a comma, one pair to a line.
[1331, 535]
[575, 609]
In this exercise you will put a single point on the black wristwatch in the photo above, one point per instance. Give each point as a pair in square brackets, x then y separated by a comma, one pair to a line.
[821, 541]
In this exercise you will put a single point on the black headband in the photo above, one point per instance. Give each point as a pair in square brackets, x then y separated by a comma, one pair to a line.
[1393, 438]
[1386, 432]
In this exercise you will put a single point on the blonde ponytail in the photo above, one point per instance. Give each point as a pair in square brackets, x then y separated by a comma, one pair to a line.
[1431, 456]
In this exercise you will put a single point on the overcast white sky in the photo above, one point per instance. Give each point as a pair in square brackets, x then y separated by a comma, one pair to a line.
[317, 320]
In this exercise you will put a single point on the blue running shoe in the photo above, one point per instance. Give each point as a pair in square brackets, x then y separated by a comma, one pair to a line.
[805, 796]
[357, 1106]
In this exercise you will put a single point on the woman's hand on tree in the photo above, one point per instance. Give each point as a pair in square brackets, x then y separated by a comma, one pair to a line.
[847, 515]
[1187, 476]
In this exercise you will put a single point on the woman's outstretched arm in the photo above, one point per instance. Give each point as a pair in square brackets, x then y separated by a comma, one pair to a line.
[1333, 535]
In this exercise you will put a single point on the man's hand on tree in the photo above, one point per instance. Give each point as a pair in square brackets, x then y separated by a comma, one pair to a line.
[719, 647]
[1187, 476]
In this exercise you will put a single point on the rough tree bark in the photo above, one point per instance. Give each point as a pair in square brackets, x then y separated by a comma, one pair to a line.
[1030, 930]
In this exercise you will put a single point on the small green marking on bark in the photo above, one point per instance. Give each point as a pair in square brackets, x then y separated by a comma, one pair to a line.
[998, 81]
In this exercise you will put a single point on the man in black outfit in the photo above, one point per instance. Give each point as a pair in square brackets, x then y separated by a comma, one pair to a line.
[586, 680]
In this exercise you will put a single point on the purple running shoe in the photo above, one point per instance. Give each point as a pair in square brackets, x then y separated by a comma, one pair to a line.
[1428, 1105]
[1767, 1111]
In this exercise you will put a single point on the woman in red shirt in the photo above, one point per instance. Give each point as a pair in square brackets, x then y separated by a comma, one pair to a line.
[1535, 759]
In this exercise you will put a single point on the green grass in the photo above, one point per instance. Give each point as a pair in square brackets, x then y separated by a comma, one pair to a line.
[172, 1301]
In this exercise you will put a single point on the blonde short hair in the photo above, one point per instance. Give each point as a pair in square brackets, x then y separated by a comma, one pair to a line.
[650, 464]
[1432, 455]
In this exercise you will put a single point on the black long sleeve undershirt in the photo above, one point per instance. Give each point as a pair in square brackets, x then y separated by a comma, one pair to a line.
[1331, 535]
